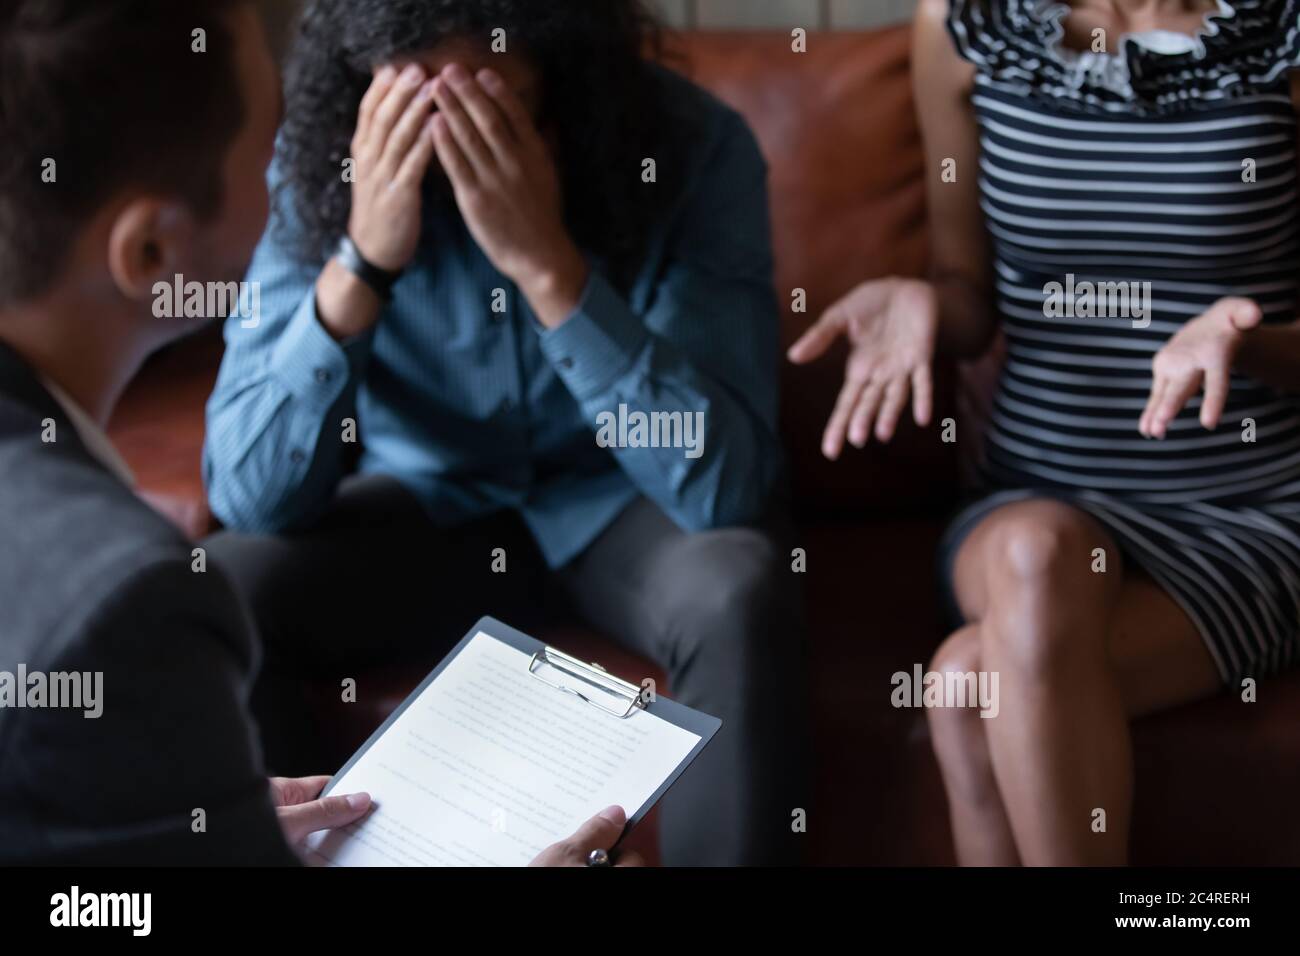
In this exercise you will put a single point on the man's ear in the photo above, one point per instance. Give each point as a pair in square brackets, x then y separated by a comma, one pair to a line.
[148, 241]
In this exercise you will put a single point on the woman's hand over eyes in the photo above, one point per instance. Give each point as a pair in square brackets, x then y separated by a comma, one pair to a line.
[392, 148]
[508, 188]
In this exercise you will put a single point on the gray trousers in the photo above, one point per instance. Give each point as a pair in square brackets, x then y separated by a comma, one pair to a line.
[376, 583]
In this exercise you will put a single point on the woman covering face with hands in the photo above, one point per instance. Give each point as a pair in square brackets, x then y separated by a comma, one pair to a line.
[507, 188]
[502, 176]
[445, 329]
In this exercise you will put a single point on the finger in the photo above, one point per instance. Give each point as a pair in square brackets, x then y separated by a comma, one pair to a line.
[392, 108]
[1217, 384]
[833, 439]
[629, 858]
[601, 832]
[1158, 386]
[814, 343]
[922, 395]
[375, 93]
[290, 790]
[327, 813]
[462, 127]
[1178, 394]
[516, 114]
[1242, 314]
[416, 163]
[453, 160]
[864, 413]
[487, 117]
[407, 131]
[891, 409]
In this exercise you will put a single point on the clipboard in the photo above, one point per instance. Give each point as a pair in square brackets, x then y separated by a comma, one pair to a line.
[565, 674]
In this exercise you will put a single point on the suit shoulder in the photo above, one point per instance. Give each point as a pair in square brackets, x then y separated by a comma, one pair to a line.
[75, 537]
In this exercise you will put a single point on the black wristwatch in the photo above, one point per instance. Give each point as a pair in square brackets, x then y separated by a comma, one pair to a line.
[380, 280]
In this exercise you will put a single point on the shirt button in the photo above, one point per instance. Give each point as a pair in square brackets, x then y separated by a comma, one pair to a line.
[566, 363]
[296, 456]
[323, 375]
[505, 408]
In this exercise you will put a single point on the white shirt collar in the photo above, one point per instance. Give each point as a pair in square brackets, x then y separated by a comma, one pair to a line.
[92, 436]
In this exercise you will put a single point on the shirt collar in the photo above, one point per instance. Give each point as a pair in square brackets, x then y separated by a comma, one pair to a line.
[91, 435]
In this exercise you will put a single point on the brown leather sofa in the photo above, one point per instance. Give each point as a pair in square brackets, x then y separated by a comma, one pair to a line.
[1217, 782]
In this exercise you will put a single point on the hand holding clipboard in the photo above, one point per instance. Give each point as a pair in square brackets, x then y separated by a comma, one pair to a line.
[506, 748]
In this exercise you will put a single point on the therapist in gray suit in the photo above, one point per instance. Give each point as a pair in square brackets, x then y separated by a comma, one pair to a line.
[124, 671]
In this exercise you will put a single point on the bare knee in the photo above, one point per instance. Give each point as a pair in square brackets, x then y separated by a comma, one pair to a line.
[1039, 543]
[956, 731]
[1048, 601]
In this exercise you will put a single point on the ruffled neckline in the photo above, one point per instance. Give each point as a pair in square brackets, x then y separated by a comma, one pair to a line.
[1052, 13]
[1113, 70]
[1244, 48]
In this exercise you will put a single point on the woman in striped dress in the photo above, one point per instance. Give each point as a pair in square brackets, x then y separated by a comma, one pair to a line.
[1113, 185]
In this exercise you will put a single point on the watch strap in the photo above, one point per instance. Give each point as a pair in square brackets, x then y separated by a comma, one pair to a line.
[380, 280]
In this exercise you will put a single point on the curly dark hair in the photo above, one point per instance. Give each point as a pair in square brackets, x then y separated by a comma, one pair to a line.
[601, 97]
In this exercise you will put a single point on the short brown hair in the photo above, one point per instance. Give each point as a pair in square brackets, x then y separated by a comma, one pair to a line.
[115, 93]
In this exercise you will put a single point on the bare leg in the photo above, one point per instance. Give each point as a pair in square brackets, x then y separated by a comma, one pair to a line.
[1076, 653]
[980, 828]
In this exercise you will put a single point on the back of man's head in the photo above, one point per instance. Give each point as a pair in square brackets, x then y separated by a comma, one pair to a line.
[99, 98]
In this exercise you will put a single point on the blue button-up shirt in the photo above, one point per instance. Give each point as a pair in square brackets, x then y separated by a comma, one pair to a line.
[475, 410]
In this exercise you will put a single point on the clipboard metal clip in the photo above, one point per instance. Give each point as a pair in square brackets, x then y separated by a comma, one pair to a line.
[591, 674]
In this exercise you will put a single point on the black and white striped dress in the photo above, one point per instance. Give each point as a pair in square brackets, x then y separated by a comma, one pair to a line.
[1169, 161]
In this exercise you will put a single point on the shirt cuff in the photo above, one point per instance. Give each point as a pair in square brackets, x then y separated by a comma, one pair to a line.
[598, 343]
[309, 363]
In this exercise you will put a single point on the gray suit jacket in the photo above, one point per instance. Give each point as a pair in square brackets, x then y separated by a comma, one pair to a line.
[92, 580]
